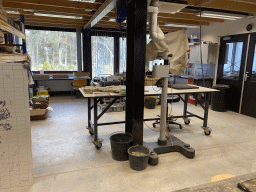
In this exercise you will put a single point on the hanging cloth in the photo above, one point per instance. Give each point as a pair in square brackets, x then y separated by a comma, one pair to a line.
[177, 43]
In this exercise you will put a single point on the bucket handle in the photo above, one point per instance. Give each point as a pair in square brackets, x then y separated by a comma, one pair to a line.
[120, 132]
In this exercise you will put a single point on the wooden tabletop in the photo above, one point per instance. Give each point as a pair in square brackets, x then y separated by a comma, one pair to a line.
[150, 91]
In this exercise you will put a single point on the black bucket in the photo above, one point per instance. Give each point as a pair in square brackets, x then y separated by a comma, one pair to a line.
[150, 103]
[120, 143]
[138, 157]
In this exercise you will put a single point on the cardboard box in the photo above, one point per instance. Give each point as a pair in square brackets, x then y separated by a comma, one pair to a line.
[60, 76]
[38, 114]
[41, 76]
[151, 81]
[77, 74]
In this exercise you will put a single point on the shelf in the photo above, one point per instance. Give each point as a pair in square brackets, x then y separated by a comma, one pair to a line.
[10, 58]
[6, 27]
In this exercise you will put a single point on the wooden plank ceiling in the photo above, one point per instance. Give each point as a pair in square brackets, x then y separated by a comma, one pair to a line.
[81, 12]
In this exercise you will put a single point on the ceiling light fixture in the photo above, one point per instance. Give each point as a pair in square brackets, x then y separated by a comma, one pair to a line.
[219, 15]
[59, 16]
[13, 12]
[179, 25]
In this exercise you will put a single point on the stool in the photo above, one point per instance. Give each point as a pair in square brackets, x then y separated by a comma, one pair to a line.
[169, 120]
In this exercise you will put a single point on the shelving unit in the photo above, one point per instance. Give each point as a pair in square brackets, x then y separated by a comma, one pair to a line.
[6, 27]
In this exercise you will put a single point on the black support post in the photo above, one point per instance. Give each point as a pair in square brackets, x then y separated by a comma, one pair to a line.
[136, 51]
[87, 51]
[116, 53]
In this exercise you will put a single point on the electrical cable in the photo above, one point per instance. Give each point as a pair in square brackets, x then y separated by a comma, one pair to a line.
[168, 121]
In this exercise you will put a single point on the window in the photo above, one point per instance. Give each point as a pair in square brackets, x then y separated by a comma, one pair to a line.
[123, 53]
[102, 55]
[52, 50]
[233, 58]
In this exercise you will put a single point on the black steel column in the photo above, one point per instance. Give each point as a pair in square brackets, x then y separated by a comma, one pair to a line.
[87, 51]
[116, 53]
[136, 54]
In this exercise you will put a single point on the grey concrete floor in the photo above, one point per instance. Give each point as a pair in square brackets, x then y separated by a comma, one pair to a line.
[64, 158]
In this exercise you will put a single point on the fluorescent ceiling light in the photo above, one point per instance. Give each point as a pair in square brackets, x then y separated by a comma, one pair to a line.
[60, 16]
[31, 10]
[178, 25]
[13, 12]
[219, 15]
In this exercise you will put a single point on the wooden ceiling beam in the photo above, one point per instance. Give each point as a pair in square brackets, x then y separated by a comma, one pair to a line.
[52, 19]
[246, 1]
[188, 16]
[232, 6]
[58, 3]
[53, 25]
[246, 6]
[182, 21]
[99, 1]
[29, 14]
[104, 9]
[44, 8]
[54, 22]
[162, 26]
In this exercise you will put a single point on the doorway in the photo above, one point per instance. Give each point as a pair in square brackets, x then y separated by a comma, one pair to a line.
[237, 68]
[248, 104]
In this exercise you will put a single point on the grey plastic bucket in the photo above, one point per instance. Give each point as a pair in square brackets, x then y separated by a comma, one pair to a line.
[138, 162]
[120, 143]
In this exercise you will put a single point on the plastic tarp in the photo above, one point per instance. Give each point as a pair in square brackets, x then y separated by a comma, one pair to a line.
[177, 44]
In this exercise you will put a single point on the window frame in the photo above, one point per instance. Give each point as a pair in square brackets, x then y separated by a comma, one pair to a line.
[41, 28]
[112, 33]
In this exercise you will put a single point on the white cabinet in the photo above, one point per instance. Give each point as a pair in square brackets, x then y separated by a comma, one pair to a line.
[209, 54]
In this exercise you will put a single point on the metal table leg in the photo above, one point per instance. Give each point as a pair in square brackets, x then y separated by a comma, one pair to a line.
[185, 110]
[97, 142]
[207, 130]
[89, 127]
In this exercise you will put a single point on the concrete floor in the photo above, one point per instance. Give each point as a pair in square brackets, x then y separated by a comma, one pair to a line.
[64, 159]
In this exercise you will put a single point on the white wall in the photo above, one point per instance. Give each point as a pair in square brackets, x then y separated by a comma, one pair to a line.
[215, 30]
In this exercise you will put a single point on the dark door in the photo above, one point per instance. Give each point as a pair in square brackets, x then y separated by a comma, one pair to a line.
[248, 105]
[233, 52]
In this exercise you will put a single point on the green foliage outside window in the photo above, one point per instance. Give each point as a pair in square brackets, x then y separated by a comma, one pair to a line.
[52, 50]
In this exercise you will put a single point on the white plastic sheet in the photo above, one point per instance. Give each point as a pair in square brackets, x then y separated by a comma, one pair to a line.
[177, 44]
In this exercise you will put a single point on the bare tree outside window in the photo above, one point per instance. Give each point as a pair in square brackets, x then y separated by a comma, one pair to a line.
[102, 55]
[52, 50]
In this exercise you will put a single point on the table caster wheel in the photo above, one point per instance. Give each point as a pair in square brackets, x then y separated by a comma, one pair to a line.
[154, 125]
[98, 146]
[187, 121]
[91, 132]
[207, 132]
[181, 127]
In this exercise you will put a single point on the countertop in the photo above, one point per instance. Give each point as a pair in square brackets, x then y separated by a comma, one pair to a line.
[70, 78]
[195, 77]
